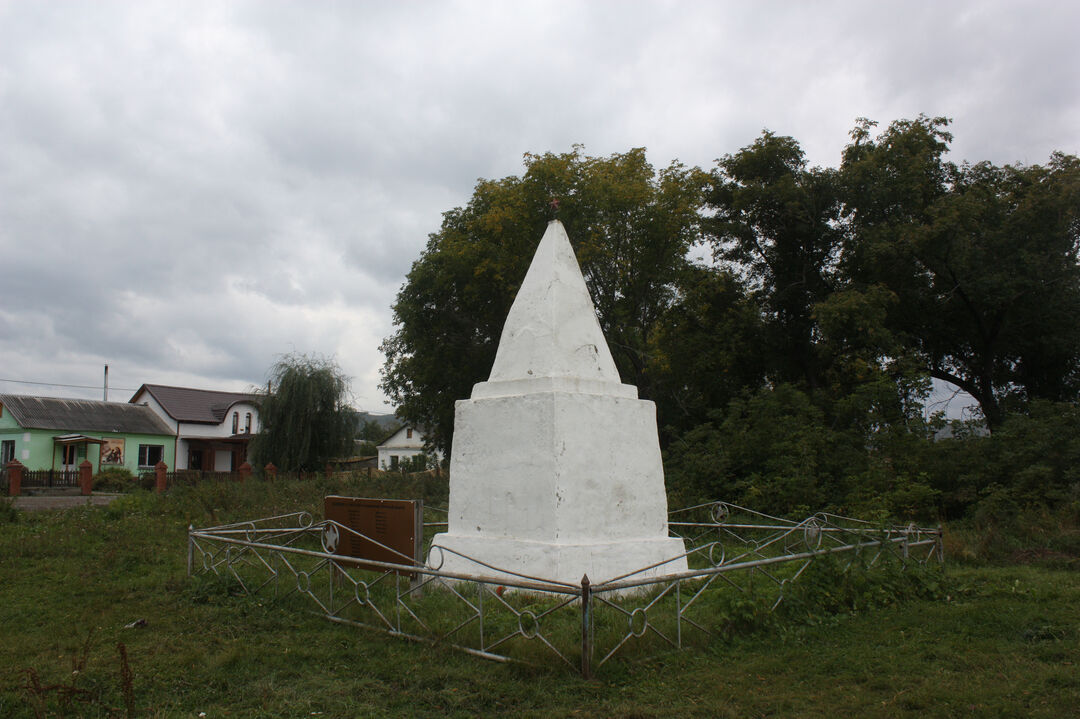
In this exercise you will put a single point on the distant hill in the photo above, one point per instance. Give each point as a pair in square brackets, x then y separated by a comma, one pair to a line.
[386, 421]
[375, 427]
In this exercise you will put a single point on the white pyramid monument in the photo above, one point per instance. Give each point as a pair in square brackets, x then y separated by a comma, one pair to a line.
[555, 469]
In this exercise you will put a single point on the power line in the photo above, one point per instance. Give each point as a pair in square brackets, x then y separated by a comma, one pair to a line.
[73, 386]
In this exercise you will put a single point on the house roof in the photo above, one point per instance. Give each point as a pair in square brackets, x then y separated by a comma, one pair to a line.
[82, 414]
[202, 406]
[419, 430]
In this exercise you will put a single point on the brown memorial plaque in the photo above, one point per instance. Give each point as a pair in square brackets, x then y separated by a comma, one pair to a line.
[397, 524]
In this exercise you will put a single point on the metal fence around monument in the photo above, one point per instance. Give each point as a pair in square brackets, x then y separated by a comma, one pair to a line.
[737, 558]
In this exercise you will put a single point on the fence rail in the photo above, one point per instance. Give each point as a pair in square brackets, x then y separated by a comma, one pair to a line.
[50, 478]
[732, 552]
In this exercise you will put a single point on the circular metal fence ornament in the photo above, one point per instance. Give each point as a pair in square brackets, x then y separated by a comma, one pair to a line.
[330, 538]
[305, 520]
[528, 624]
[638, 616]
[431, 553]
[250, 533]
[303, 582]
[719, 512]
[712, 554]
[356, 593]
[207, 560]
[812, 534]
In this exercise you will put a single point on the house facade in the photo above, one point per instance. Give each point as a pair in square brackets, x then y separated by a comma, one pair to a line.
[401, 447]
[211, 430]
[59, 434]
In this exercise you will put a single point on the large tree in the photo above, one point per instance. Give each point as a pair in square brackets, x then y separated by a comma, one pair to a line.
[631, 228]
[707, 349]
[305, 419]
[775, 220]
[982, 259]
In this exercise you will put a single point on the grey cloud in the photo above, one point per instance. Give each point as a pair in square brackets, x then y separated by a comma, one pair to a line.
[188, 191]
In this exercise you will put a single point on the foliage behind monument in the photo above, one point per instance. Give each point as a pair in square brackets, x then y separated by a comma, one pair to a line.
[792, 369]
[631, 226]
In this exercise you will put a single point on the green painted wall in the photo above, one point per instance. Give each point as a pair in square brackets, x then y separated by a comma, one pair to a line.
[35, 447]
[7, 421]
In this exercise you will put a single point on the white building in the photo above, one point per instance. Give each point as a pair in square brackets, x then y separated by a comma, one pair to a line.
[400, 448]
[212, 429]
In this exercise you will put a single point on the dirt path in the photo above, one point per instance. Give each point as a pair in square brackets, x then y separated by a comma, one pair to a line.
[37, 503]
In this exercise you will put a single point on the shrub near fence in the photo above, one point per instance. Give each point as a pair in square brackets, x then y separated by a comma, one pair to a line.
[430, 485]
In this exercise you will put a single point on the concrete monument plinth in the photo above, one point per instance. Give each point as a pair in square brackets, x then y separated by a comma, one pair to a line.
[555, 469]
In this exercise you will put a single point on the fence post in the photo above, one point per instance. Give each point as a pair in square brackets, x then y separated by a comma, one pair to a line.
[15, 476]
[190, 549]
[271, 471]
[86, 477]
[161, 478]
[244, 470]
[586, 626]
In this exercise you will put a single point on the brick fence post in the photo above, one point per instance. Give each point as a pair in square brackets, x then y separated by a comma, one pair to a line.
[270, 470]
[160, 476]
[244, 470]
[86, 477]
[15, 475]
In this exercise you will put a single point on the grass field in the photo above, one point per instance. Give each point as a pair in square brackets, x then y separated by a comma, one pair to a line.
[996, 641]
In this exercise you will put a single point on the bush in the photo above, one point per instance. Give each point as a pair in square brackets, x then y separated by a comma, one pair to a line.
[772, 451]
[114, 479]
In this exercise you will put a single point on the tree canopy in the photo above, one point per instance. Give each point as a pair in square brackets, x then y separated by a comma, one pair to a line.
[305, 418]
[631, 228]
[791, 367]
[983, 261]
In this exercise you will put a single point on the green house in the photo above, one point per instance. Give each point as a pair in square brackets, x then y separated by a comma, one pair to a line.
[55, 433]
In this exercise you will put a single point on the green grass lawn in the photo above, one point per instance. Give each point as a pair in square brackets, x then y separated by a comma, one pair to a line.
[1000, 641]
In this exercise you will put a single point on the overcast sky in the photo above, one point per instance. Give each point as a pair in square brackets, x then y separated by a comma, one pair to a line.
[190, 190]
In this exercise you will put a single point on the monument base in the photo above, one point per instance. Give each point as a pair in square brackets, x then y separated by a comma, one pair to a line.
[565, 563]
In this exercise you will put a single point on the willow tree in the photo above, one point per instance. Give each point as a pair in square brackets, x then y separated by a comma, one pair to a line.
[305, 418]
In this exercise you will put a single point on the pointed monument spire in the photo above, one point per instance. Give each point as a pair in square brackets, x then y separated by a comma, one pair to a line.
[556, 467]
[551, 339]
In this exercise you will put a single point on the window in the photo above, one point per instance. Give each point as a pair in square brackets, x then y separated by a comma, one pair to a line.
[151, 454]
[236, 423]
[408, 433]
[247, 423]
[393, 461]
[7, 452]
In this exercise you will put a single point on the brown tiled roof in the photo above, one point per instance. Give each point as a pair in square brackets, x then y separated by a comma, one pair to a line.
[203, 406]
[82, 414]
